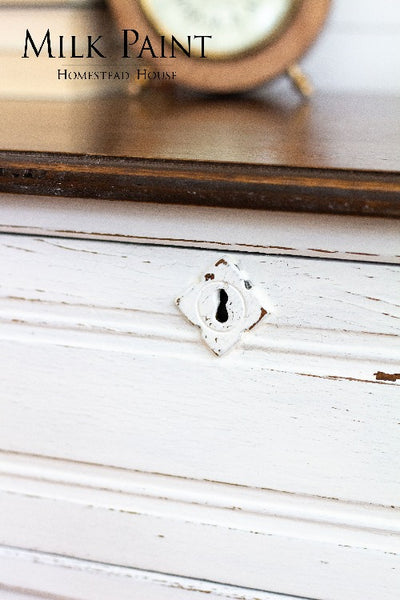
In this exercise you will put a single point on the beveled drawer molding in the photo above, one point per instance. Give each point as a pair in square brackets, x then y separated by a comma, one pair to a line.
[165, 523]
[331, 349]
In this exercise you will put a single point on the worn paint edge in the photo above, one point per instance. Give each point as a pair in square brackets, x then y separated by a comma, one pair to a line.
[273, 250]
[33, 567]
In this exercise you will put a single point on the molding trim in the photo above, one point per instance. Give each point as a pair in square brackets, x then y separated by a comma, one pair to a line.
[335, 237]
[203, 183]
[342, 354]
[204, 500]
[58, 578]
[201, 529]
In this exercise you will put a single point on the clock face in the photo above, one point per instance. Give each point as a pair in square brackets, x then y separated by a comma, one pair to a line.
[236, 26]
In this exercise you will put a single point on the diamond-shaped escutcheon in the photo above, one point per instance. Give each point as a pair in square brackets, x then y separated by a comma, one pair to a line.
[223, 304]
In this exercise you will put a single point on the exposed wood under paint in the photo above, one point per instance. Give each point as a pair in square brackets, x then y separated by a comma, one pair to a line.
[387, 376]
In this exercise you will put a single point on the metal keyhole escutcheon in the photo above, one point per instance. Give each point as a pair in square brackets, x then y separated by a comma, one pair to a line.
[223, 304]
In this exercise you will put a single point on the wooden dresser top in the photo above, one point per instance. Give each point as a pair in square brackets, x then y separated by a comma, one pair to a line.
[336, 154]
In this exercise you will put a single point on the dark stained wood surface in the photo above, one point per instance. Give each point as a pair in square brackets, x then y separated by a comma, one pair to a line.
[335, 154]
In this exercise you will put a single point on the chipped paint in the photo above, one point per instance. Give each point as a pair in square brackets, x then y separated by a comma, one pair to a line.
[380, 376]
[323, 251]
[263, 312]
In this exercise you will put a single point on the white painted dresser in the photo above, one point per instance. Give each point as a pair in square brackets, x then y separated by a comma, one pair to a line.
[134, 462]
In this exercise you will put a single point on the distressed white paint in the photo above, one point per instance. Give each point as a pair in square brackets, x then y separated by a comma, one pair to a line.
[317, 236]
[315, 294]
[303, 383]
[52, 576]
[99, 368]
[200, 529]
[242, 423]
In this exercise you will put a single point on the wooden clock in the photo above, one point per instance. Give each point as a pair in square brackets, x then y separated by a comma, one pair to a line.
[226, 46]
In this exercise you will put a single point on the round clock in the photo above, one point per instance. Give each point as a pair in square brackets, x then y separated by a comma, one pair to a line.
[219, 45]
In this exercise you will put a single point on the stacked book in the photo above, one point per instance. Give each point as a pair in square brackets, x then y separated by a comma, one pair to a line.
[59, 49]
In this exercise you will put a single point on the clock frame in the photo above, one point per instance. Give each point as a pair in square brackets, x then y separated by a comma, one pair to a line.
[240, 71]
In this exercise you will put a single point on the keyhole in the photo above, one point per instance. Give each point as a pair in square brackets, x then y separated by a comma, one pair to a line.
[222, 314]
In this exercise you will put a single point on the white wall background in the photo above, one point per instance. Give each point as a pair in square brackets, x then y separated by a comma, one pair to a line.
[359, 49]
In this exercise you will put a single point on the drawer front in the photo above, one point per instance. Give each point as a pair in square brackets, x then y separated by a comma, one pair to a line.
[280, 457]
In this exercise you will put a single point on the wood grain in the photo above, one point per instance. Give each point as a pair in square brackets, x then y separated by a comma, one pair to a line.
[228, 185]
[335, 155]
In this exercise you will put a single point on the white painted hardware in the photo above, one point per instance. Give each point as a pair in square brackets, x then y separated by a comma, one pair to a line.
[223, 304]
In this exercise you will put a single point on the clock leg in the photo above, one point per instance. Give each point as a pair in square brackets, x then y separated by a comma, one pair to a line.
[301, 82]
